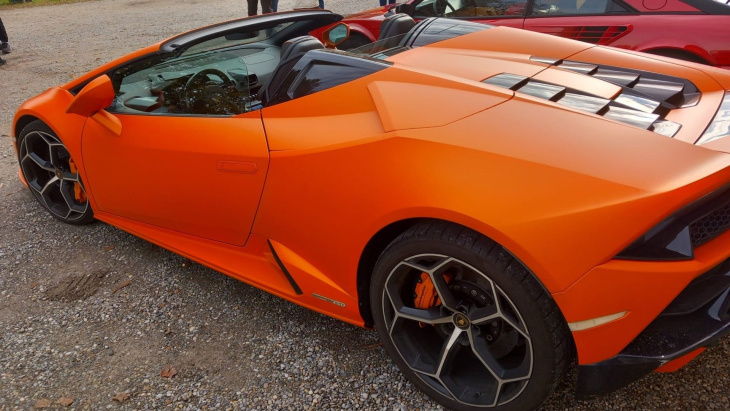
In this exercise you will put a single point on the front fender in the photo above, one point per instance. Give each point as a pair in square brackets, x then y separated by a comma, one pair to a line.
[50, 108]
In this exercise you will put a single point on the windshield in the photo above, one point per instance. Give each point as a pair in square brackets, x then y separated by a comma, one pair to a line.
[235, 39]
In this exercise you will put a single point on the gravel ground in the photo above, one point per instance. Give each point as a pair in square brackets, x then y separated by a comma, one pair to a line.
[93, 314]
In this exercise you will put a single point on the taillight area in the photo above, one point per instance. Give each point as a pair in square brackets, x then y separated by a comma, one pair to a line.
[677, 236]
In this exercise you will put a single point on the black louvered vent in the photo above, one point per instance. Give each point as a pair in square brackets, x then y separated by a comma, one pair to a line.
[710, 226]
[670, 92]
[645, 99]
[594, 34]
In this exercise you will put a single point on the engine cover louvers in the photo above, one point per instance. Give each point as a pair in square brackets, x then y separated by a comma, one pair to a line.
[629, 107]
[670, 92]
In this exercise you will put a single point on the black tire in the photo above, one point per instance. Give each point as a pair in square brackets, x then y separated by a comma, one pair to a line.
[354, 41]
[488, 303]
[48, 169]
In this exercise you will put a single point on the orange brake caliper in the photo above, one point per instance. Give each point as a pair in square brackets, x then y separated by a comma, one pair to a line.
[79, 194]
[425, 293]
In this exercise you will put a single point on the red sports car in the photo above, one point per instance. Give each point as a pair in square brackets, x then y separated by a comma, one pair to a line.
[694, 30]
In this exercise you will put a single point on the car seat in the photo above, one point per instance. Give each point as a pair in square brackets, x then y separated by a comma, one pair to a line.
[291, 51]
[396, 25]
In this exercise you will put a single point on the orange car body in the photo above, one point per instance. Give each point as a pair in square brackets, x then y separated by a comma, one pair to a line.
[322, 182]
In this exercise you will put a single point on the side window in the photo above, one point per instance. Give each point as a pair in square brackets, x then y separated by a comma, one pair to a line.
[474, 9]
[317, 76]
[216, 76]
[322, 75]
[576, 7]
[318, 71]
[214, 83]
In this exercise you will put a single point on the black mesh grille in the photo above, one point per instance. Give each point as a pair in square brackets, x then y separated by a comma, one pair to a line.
[710, 226]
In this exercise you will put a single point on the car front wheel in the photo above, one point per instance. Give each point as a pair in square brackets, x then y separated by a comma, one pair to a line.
[466, 322]
[52, 175]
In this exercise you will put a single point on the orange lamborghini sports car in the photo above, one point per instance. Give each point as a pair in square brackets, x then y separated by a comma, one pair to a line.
[496, 202]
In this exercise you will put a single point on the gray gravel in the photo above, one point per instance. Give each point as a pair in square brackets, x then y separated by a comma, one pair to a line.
[69, 327]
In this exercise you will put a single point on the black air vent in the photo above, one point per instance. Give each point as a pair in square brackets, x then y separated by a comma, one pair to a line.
[670, 92]
[590, 34]
[598, 34]
[710, 226]
[629, 107]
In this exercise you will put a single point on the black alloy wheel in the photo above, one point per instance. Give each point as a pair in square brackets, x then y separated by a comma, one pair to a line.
[466, 322]
[51, 174]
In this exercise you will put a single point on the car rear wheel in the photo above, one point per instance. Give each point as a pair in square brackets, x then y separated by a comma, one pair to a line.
[466, 322]
[52, 175]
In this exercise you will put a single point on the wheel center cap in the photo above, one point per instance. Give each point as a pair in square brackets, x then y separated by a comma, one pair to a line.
[461, 321]
[59, 174]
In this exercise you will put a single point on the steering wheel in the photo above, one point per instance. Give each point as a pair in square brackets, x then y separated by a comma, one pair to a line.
[203, 96]
[442, 4]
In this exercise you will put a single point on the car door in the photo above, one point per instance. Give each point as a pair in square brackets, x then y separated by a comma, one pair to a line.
[509, 13]
[591, 21]
[192, 155]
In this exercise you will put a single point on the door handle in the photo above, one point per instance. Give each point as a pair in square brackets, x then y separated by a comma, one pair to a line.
[237, 167]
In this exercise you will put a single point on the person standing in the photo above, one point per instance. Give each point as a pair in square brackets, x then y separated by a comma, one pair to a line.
[253, 6]
[382, 2]
[4, 45]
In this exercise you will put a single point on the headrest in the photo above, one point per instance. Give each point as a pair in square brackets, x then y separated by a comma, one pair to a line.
[299, 45]
[395, 25]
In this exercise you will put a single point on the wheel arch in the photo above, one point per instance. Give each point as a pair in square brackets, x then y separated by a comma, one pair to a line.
[369, 256]
[695, 56]
[50, 108]
[383, 237]
[23, 122]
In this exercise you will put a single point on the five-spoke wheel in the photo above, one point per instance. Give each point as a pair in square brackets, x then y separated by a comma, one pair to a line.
[52, 175]
[460, 327]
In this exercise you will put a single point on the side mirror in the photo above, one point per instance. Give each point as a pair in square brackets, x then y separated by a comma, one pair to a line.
[95, 96]
[93, 99]
[336, 34]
